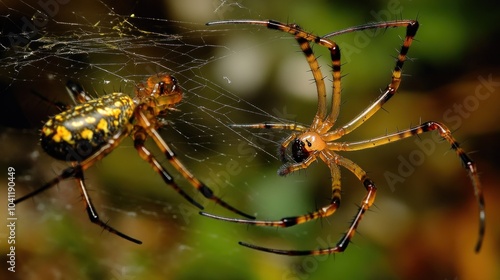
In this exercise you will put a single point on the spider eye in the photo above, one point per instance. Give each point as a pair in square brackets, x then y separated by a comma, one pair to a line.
[299, 151]
[165, 88]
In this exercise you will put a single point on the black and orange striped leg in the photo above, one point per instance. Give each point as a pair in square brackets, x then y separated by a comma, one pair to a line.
[288, 168]
[80, 167]
[92, 213]
[303, 36]
[139, 140]
[284, 145]
[65, 174]
[76, 171]
[287, 126]
[342, 244]
[317, 75]
[304, 39]
[291, 221]
[76, 93]
[411, 31]
[147, 128]
[270, 125]
[471, 168]
[468, 164]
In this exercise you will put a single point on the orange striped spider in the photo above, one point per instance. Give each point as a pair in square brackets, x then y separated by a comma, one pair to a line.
[319, 139]
[86, 133]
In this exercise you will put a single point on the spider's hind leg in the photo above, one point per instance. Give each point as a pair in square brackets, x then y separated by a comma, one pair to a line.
[342, 244]
[76, 172]
[92, 213]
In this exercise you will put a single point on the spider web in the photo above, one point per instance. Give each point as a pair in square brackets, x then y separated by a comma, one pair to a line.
[113, 47]
[45, 46]
[109, 48]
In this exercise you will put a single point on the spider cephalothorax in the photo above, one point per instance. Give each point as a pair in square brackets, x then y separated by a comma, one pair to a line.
[305, 144]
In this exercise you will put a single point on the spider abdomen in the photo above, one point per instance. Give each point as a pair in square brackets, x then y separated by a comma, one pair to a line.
[78, 133]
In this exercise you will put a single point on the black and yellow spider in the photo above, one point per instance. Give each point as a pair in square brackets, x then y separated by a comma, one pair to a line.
[320, 139]
[86, 133]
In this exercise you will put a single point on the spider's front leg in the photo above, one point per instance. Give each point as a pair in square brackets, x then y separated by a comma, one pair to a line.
[282, 151]
[366, 203]
[288, 168]
[305, 150]
[92, 213]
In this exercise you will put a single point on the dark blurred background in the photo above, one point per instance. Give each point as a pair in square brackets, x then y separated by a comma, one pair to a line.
[425, 219]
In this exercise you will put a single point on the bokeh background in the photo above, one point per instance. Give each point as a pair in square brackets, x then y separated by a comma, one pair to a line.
[424, 223]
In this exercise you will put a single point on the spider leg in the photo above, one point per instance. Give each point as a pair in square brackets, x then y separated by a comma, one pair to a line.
[326, 211]
[284, 143]
[65, 174]
[318, 80]
[303, 38]
[75, 92]
[371, 25]
[92, 213]
[76, 172]
[286, 168]
[342, 244]
[285, 126]
[411, 30]
[468, 164]
[139, 138]
[84, 165]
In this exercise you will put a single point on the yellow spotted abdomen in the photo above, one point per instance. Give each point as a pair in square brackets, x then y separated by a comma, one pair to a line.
[78, 133]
